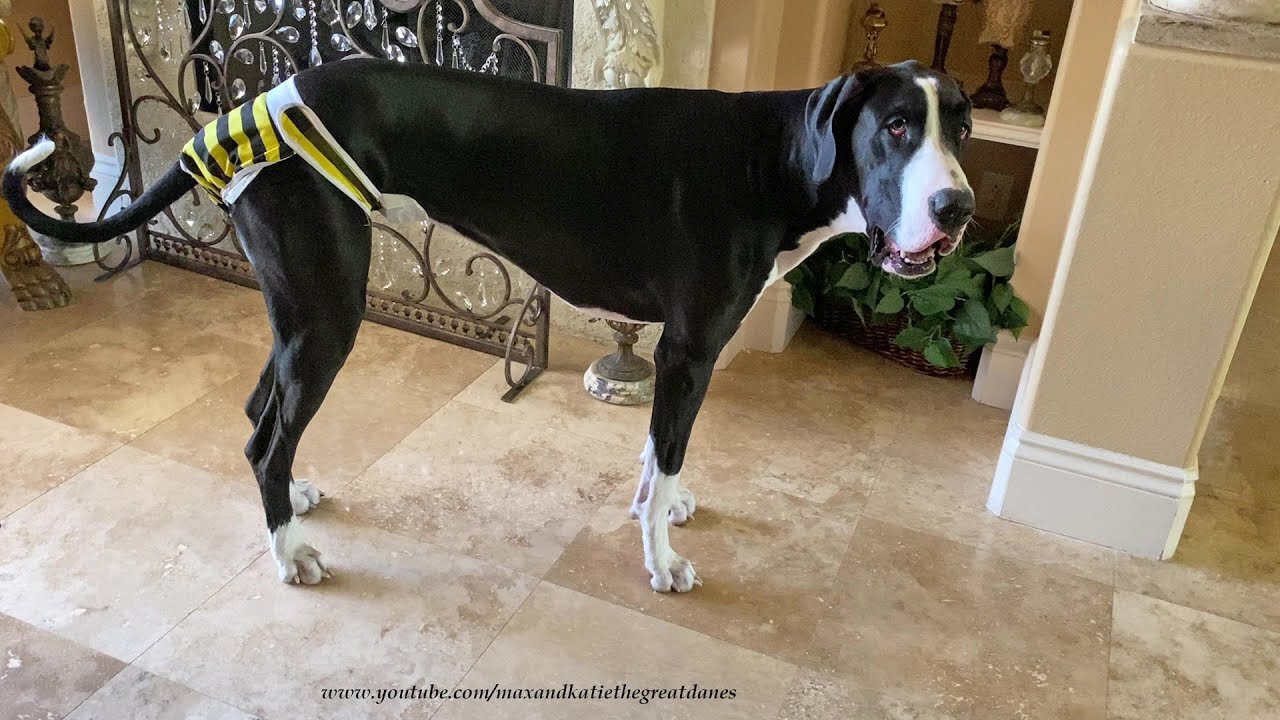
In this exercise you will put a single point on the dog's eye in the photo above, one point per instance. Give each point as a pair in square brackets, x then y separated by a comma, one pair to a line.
[897, 127]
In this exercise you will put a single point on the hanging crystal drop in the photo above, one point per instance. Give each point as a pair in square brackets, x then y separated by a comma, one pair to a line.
[238, 89]
[215, 49]
[313, 54]
[244, 55]
[340, 42]
[262, 58]
[193, 105]
[288, 33]
[184, 29]
[299, 10]
[166, 54]
[236, 25]
[326, 12]
[394, 53]
[277, 6]
[370, 15]
[466, 301]
[440, 33]
[260, 5]
[144, 35]
[406, 37]
[204, 13]
[226, 7]
[354, 13]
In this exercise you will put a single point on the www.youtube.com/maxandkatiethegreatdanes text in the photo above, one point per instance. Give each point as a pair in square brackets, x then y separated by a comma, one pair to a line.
[567, 691]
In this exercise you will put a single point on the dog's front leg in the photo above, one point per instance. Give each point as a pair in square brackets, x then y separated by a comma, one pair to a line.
[667, 569]
[683, 373]
[685, 504]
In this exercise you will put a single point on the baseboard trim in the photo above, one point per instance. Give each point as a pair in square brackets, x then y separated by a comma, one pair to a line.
[772, 323]
[106, 168]
[1000, 370]
[1091, 494]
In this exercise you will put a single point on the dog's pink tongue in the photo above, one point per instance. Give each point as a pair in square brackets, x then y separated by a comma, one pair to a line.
[935, 235]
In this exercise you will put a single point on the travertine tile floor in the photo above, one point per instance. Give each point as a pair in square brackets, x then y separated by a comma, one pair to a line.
[851, 569]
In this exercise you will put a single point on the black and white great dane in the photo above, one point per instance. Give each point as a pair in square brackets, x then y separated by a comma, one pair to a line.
[655, 205]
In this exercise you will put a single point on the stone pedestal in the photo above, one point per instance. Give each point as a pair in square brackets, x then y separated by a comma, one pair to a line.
[622, 378]
[63, 254]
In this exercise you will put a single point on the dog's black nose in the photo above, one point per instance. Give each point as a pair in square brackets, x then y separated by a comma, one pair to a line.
[951, 209]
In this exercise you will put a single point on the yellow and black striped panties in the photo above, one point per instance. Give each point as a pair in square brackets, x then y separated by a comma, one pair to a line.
[249, 136]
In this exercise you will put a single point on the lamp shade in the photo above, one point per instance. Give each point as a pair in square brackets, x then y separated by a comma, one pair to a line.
[1004, 22]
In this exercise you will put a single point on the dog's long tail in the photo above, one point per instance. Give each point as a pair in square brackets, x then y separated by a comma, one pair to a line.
[168, 188]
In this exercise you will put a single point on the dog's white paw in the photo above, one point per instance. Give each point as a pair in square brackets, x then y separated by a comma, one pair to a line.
[303, 496]
[298, 562]
[305, 567]
[684, 506]
[674, 574]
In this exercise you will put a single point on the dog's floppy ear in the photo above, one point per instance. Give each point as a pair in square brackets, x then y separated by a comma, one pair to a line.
[827, 107]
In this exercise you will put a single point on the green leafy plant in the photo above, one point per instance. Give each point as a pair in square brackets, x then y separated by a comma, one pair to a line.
[967, 300]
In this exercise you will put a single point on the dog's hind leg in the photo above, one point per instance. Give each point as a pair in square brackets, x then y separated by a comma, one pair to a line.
[312, 261]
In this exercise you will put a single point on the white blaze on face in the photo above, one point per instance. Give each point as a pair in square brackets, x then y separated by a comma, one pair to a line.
[932, 168]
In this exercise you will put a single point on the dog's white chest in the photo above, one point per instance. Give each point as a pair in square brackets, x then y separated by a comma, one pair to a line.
[850, 220]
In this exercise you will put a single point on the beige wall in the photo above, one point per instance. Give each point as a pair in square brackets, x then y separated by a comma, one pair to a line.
[744, 45]
[56, 14]
[1086, 52]
[1162, 255]
[811, 42]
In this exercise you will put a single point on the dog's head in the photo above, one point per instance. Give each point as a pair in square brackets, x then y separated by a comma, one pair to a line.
[891, 136]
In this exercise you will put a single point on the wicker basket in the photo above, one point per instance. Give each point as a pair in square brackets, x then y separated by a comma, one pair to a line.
[839, 318]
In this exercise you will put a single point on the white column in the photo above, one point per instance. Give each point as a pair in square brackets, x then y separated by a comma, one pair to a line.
[1172, 223]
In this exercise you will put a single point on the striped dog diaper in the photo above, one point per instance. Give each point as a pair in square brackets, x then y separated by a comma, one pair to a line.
[228, 153]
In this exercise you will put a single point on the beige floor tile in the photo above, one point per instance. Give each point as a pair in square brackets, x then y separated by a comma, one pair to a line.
[953, 628]
[822, 696]
[1174, 663]
[561, 636]
[415, 362]
[45, 676]
[1227, 563]
[396, 613]
[837, 474]
[1238, 460]
[556, 399]
[90, 301]
[479, 483]
[119, 554]
[206, 304]
[362, 418]
[125, 373]
[768, 562]
[943, 490]
[136, 694]
[40, 454]
[827, 385]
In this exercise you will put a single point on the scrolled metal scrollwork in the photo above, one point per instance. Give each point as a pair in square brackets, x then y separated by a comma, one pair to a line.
[222, 66]
[118, 191]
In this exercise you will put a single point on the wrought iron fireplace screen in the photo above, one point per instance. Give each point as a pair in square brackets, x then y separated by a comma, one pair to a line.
[179, 63]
